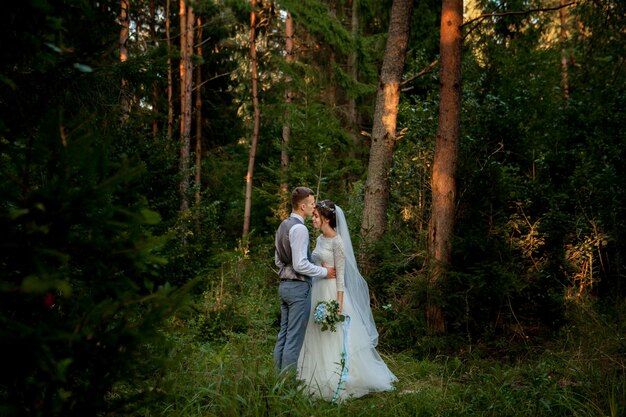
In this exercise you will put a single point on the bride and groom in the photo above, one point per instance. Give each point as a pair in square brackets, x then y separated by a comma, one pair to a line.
[334, 365]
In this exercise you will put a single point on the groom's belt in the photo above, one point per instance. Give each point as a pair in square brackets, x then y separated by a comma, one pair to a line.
[306, 280]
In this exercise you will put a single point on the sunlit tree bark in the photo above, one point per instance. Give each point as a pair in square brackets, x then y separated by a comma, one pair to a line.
[257, 121]
[186, 78]
[384, 128]
[124, 33]
[286, 134]
[564, 60]
[170, 87]
[198, 152]
[443, 179]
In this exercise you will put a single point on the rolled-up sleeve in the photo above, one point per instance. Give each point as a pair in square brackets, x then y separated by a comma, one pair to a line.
[299, 239]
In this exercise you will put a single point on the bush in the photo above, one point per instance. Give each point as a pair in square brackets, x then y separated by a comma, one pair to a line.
[82, 296]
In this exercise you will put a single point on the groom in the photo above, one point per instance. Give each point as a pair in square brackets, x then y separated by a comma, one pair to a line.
[295, 271]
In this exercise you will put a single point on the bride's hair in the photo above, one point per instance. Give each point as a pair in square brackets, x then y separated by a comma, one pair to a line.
[327, 209]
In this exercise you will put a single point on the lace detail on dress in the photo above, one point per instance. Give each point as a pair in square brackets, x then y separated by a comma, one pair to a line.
[330, 251]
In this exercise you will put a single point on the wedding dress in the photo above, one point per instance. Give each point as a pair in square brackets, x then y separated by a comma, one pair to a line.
[324, 353]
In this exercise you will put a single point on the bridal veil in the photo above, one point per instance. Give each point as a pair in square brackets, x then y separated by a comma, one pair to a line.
[355, 285]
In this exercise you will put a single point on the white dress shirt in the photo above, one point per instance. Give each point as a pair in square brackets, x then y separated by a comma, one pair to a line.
[299, 242]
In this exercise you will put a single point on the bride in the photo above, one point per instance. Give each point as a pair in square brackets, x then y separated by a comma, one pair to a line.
[341, 364]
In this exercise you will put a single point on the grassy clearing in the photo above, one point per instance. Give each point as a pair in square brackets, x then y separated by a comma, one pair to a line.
[582, 373]
[237, 379]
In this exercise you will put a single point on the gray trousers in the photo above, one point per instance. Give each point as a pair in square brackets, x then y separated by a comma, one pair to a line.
[295, 309]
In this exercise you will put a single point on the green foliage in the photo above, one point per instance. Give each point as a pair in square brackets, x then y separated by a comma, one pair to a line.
[217, 324]
[538, 177]
[319, 147]
[316, 16]
[234, 375]
[231, 296]
[425, 27]
[91, 248]
[82, 293]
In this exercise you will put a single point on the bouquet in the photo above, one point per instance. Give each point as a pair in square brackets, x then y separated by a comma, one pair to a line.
[327, 314]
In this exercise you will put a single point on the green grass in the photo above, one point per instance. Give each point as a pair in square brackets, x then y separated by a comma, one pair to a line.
[580, 373]
[236, 379]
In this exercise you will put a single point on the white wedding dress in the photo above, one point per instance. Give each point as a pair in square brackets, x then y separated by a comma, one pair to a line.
[320, 360]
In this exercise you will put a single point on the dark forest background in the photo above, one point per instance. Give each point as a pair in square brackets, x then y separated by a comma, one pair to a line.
[116, 299]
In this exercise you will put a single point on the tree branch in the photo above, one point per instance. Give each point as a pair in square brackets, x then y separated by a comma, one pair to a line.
[523, 12]
[424, 71]
[430, 66]
[211, 79]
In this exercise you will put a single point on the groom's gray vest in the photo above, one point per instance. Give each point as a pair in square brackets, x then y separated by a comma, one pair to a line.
[283, 249]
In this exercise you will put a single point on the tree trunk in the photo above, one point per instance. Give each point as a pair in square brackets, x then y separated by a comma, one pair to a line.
[198, 153]
[170, 87]
[286, 136]
[331, 90]
[384, 129]
[443, 180]
[124, 33]
[353, 123]
[186, 77]
[257, 122]
[155, 88]
[564, 60]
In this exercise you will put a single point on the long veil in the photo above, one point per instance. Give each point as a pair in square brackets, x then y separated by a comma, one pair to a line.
[355, 284]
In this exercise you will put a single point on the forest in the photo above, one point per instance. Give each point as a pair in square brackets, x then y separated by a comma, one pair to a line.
[148, 149]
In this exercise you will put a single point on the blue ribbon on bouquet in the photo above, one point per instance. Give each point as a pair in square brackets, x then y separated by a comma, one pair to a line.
[344, 358]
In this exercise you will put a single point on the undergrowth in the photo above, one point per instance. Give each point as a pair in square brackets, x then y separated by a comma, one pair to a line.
[229, 371]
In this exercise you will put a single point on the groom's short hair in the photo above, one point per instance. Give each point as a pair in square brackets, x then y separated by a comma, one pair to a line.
[299, 194]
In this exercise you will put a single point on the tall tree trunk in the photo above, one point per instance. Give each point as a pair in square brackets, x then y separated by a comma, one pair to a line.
[257, 122]
[170, 86]
[155, 87]
[443, 179]
[564, 60]
[198, 153]
[353, 123]
[186, 78]
[286, 134]
[331, 90]
[124, 34]
[385, 117]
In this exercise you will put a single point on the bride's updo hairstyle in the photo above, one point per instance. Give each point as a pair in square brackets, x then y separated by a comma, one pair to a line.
[326, 208]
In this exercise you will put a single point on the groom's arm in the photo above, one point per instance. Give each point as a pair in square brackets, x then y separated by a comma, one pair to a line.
[299, 239]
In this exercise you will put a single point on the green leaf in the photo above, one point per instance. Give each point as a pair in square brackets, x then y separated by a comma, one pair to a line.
[151, 216]
[15, 213]
[53, 47]
[83, 67]
[35, 284]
